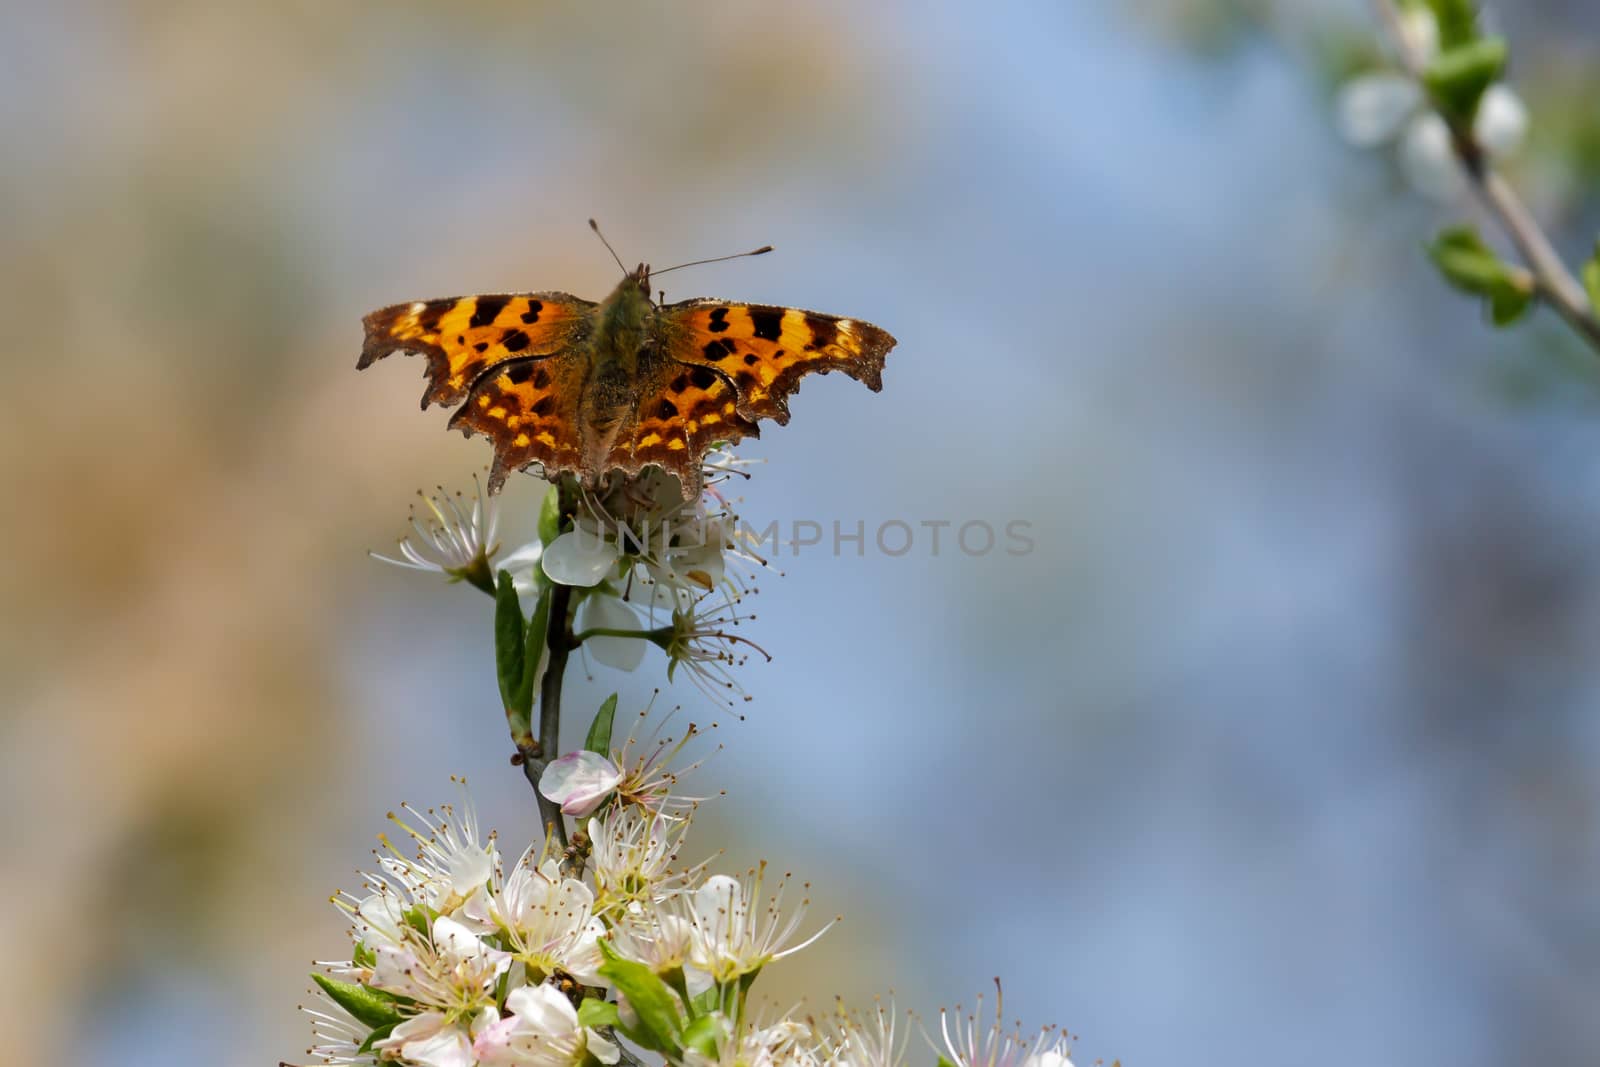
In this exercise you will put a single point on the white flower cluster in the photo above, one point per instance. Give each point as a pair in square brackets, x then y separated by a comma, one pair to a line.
[592, 955]
[457, 962]
[645, 568]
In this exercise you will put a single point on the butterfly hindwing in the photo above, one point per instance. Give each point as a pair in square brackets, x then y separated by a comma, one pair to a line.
[530, 410]
[682, 410]
[463, 337]
[764, 350]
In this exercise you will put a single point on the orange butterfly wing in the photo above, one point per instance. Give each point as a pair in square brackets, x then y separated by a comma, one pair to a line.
[682, 411]
[529, 408]
[763, 350]
[463, 337]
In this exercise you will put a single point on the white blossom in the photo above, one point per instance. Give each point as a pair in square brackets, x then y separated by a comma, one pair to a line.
[541, 1030]
[579, 781]
[735, 932]
[548, 921]
[1382, 107]
[970, 1043]
[456, 538]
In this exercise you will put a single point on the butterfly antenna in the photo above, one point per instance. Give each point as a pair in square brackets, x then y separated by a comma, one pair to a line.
[595, 226]
[763, 250]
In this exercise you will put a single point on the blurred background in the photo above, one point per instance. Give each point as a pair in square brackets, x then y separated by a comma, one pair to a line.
[1281, 744]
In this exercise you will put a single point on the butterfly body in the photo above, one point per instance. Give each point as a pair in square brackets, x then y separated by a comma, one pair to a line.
[573, 386]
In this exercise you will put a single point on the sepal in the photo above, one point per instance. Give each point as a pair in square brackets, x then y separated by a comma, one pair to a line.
[364, 1005]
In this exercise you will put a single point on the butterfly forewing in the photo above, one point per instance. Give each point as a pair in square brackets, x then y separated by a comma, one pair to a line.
[764, 350]
[463, 337]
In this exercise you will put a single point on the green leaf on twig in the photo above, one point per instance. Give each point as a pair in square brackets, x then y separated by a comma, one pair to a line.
[1473, 267]
[377, 1035]
[1457, 78]
[363, 1004]
[705, 1035]
[651, 999]
[533, 652]
[1457, 21]
[595, 1013]
[550, 516]
[510, 632]
[599, 738]
[518, 650]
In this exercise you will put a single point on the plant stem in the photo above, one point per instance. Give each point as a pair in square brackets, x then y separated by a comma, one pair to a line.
[608, 631]
[1556, 284]
[558, 639]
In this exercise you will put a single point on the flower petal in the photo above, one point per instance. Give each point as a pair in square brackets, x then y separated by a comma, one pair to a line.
[1502, 121]
[609, 613]
[581, 558]
[1429, 160]
[579, 781]
[1373, 108]
[522, 563]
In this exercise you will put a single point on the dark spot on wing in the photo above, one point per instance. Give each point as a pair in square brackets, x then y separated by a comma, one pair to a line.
[718, 349]
[679, 384]
[481, 346]
[541, 377]
[531, 316]
[767, 322]
[750, 359]
[543, 406]
[515, 341]
[667, 410]
[823, 332]
[489, 307]
[719, 320]
[520, 373]
[702, 377]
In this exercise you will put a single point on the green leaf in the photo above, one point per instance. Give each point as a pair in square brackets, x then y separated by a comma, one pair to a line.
[595, 1013]
[651, 999]
[420, 918]
[705, 1034]
[510, 631]
[944, 1061]
[533, 653]
[1457, 21]
[709, 1000]
[363, 1004]
[1473, 267]
[550, 516]
[1591, 279]
[377, 1035]
[1509, 305]
[1457, 78]
[362, 956]
[599, 739]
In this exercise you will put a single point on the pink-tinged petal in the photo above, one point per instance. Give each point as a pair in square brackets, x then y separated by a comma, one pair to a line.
[579, 781]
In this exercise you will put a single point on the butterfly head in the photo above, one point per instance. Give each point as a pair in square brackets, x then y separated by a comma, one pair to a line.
[640, 277]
